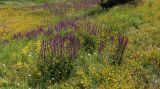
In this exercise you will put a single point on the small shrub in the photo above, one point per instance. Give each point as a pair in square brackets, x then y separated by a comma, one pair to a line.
[89, 44]
[56, 59]
[60, 71]
[110, 3]
[55, 70]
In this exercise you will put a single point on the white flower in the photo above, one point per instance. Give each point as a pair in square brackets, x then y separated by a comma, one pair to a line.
[81, 56]
[17, 84]
[52, 78]
[29, 55]
[4, 64]
[29, 75]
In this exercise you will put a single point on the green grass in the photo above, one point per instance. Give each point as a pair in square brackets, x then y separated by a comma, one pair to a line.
[140, 68]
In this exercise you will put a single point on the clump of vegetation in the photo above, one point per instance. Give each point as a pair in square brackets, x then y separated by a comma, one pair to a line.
[89, 44]
[68, 50]
[50, 72]
[110, 3]
[117, 57]
[56, 58]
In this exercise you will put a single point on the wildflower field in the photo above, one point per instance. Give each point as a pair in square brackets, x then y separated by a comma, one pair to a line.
[79, 44]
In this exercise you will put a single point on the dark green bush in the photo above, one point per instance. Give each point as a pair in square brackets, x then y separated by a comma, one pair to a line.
[60, 71]
[55, 61]
[89, 44]
[110, 3]
[51, 72]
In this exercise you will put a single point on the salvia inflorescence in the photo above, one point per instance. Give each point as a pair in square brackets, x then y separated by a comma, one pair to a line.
[61, 47]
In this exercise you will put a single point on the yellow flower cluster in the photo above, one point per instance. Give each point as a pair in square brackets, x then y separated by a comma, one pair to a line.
[38, 45]
[114, 77]
[26, 49]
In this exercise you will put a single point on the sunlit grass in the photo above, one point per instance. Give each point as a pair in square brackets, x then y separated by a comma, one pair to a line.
[13, 20]
[140, 65]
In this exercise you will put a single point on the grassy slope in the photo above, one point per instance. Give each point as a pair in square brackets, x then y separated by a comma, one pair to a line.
[140, 24]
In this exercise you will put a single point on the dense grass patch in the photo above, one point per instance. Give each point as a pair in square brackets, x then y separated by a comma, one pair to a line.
[77, 45]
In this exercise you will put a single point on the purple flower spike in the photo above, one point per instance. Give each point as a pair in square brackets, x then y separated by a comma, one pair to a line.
[101, 47]
[123, 41]
[120, 39]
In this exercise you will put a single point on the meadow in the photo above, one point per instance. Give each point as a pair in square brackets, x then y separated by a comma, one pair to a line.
[77, 44]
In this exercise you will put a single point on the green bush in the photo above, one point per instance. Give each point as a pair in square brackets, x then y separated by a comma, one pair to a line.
[89, 44]
[50, 71]
[60, 71]
[111, 3]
